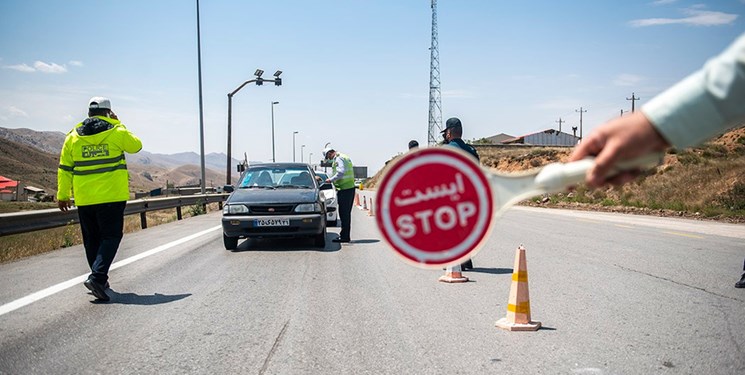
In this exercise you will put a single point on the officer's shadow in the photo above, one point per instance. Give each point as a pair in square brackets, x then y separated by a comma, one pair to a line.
[494, 271]
[145, 300]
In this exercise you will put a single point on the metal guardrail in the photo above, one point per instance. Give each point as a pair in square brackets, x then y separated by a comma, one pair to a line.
[29, 221]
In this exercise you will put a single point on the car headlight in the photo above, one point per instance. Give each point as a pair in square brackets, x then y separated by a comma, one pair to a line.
[330, 201]
[232, 209]
[308, 207]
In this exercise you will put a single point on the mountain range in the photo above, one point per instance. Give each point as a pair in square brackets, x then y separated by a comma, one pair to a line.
[32, 157]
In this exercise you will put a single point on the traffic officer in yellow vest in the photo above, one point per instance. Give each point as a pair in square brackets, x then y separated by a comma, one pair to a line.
[343, 179]
[93, 169]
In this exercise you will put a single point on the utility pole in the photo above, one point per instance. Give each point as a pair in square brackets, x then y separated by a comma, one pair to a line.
[560, 121]
[574, 130]
[622, 113]
[435, 102]
[580, 110]
[633, 99]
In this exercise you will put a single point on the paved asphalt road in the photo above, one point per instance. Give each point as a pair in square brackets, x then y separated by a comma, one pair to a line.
[616, 294]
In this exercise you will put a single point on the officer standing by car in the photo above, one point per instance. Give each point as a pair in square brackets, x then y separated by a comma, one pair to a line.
[343, 179]
[452, 137]
[93, 168]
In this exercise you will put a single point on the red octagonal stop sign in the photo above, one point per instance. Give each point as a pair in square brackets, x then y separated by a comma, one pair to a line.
[435, 206]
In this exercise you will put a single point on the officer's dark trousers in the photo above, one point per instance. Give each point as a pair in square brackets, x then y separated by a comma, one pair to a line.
[102, 226]
[346, 201]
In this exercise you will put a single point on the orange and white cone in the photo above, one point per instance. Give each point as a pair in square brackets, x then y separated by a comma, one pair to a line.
[370, 213]
[357, 199]
[518, 306]
[364, 203]
[453, 274]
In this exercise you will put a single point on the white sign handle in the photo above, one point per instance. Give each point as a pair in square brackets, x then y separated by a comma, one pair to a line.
[555, 177]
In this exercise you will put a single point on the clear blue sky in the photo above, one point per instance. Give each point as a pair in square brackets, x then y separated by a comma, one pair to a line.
[356, 73]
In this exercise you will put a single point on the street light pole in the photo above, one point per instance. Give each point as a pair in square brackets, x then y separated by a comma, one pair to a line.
[302, 149]
[310, 160]
[259, 81]
[201, 106]
[274, 160]
[293, 146]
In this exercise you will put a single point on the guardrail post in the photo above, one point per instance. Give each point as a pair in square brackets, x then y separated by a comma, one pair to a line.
[219, 205]
[178, 212]
[143, 220]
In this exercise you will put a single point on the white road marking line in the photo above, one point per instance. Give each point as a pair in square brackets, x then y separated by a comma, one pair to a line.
[31, 298]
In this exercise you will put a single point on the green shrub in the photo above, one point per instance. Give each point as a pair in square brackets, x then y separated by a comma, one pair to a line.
[68, 238]
[714, 151]
[688, 158]
[197, 209]
[608, 202]
[733, 199]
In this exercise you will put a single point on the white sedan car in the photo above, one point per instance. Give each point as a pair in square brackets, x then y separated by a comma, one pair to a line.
[331, 201]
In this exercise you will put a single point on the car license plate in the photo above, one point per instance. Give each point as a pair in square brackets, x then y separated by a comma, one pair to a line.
[272, 222]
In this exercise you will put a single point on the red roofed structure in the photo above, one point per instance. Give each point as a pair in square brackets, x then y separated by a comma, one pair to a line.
[8, 188]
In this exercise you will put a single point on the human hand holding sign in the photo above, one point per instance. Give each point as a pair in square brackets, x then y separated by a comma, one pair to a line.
[622, 138]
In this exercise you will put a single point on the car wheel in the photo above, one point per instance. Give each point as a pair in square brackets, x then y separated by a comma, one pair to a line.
[231, 243]
[320, 239]
[332, 223]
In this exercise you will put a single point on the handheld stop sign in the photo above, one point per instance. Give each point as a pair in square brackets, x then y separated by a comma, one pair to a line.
[436, 206]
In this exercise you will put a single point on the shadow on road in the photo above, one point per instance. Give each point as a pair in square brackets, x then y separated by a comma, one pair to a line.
[365, 241]
[286, 244]
[146, 300]
[495, 271]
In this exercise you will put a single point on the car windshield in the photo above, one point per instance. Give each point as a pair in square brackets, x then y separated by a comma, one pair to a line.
[271, 178]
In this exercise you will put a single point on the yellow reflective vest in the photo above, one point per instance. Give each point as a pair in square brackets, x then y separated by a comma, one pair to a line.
[347, 180]
[92, 167]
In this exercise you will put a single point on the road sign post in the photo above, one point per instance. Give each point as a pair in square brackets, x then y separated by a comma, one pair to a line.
[435, 207]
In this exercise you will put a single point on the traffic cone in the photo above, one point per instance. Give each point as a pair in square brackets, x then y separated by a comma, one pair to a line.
[518, 306]
[357, 199]
[453, 275]
[364, 203]
[370, 213]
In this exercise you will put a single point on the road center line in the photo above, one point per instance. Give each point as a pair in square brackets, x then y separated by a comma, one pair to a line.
[682, 234]
[31, 298]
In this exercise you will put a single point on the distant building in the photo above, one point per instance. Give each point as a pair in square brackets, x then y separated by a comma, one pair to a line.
[8, 189]
[548, 137]
[34, 194]
[499, 138]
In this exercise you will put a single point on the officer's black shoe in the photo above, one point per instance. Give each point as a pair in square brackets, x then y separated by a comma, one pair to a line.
[339, 240]
[741, 283]
[97, 289]
[467, 265]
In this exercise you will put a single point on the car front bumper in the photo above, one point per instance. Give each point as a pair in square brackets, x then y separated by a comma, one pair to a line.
[299, 226]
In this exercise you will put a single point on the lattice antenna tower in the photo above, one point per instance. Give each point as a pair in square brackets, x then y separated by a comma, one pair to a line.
[435, 102]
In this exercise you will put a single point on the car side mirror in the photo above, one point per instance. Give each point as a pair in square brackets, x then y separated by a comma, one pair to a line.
[326, 186]
[240, 167]
[228, 188]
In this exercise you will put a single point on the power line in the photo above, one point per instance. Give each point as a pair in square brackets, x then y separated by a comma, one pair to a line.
[560, 121]
[580, 110]
[633, 99]
[435, 95]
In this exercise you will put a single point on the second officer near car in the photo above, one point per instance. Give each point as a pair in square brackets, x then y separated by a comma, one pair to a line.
[343, 179]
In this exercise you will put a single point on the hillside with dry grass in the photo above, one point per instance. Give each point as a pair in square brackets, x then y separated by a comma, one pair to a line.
[32, 157]
[702, 182]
